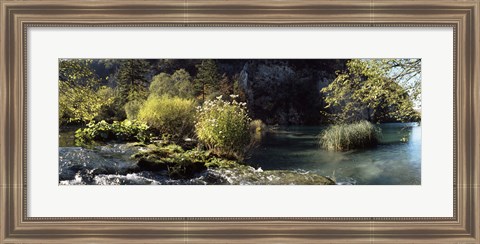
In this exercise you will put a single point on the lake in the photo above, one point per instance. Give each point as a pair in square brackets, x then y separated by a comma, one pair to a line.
[396, 161]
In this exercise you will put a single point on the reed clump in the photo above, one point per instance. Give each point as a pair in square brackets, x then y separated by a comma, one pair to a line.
[344, 137]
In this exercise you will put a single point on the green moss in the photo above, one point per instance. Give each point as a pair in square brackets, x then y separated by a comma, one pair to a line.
[215, 162]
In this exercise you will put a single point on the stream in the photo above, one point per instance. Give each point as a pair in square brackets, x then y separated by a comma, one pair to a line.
[284, 155]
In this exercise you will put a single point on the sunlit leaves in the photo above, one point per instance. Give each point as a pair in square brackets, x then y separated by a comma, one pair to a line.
[80, 95]
[169, 115]
[367, 90]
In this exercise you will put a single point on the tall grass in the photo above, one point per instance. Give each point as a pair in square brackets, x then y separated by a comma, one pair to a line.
[344, 137]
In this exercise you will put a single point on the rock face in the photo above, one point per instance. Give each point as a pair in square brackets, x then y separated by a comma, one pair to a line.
[286, 92]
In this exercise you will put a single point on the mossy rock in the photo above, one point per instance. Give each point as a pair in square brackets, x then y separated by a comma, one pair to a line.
[295, 178]
[185, 170]
[172, 158]
[243, 175]
[181, 164]
[148, 164]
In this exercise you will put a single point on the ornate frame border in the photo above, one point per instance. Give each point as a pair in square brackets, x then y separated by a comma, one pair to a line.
[17, 16]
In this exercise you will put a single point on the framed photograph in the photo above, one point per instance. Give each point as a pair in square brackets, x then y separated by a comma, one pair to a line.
[239, 121]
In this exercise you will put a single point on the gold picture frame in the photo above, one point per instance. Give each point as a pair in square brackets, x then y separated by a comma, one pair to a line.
[17, 16]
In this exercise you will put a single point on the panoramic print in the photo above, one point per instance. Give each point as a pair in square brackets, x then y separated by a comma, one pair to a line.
[239, 121]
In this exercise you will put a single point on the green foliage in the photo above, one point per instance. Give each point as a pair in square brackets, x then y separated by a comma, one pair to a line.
[169, 115]
[344, 137]
[178, 84]
[77, 72]
[131, 79]
[109, 110]
[258, 129]
[224, 127]
[207, 78]
[81, 97]
[120, 131]
[257, 126]
[132, 108]
[366, 91]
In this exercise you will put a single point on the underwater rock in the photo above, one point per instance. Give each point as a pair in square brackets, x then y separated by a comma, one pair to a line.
[246, 175]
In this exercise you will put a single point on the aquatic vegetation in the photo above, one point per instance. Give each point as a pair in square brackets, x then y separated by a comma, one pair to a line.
[224, 127]
[169, 115]
[127, 130]
[344, 137]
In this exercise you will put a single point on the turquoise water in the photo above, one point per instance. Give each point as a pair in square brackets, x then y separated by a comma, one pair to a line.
[396, 161]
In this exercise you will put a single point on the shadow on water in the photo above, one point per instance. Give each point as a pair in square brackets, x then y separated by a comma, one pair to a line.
[396, 160]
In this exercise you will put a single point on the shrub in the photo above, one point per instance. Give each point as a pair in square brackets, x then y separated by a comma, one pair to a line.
[224, 127]
[132, 108]
[80, 104]
[122, 131]
[109, 111]
[257, 126]
[169, 115]
[258, 129]
[344, 137]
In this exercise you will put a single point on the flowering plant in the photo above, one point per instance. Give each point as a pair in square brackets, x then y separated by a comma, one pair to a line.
[223, 127]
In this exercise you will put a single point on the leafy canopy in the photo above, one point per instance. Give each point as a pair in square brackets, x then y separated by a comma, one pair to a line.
[178, 84]
[81, 97]
[367, 90]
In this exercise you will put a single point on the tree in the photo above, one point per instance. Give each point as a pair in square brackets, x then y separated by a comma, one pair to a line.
[366, 90]
[407, 72]
[225, 86]
[182, 84]
[207, 78]
[80, 92]
[132, 79]
[178, 84]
